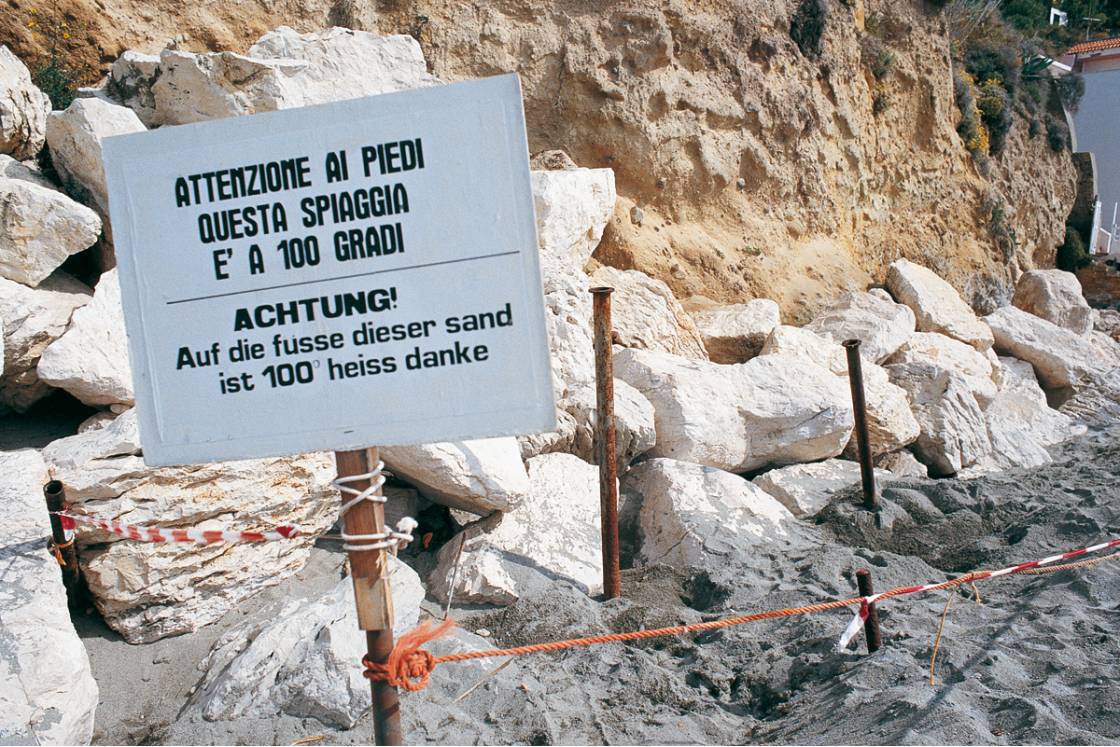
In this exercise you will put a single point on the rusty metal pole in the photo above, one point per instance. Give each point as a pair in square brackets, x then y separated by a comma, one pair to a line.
[871, 624]
[863, 435]
[374, 602]
[63, 548]
[605, 446]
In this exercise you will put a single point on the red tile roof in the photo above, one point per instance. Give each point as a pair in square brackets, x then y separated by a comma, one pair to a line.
[1098, 45]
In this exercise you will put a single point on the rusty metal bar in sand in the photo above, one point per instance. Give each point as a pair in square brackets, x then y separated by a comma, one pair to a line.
[863, 434]
[55, 494]
[871, 624]
[605, 446]
[374, 602]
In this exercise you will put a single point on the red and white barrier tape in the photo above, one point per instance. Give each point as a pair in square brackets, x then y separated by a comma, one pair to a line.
[864, 609]
[166, 534]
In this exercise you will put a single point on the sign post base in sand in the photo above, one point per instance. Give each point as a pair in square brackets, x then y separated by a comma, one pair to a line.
[370, 574]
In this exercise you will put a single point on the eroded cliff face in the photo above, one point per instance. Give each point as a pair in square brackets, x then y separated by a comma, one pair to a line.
[758, 168]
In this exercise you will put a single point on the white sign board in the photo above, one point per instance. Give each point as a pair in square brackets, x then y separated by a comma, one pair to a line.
[333, 277]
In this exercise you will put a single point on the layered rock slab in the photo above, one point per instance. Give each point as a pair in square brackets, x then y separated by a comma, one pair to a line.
[47, 692]
[146, 591]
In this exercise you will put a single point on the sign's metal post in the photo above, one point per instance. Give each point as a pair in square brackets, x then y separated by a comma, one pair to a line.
[871, 624]
[863, 434]
[55, 494]
[372, 596]
[605, 444]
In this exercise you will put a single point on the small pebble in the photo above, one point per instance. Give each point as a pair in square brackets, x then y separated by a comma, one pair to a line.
[741, 183]
[482, 632]
[637, 215]
[660, 182]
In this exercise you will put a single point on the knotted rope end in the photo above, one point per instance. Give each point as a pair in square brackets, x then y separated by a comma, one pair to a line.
[409, 666]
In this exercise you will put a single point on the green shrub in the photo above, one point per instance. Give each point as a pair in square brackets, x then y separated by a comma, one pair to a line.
[1057, 134]
[998, 227]
[57, 81]
[992, 60]
[807, 26]
[971, 127]
[1072, 255]
[994, 104]
[1071, 88]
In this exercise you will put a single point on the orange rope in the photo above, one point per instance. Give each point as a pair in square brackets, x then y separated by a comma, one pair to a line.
[409, 666]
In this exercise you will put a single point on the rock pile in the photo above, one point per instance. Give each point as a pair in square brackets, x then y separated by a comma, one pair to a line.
[731, 425]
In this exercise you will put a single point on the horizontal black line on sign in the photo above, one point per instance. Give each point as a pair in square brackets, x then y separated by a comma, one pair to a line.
[343, 277]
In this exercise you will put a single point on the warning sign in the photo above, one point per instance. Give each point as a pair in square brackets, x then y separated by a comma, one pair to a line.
[334, 277]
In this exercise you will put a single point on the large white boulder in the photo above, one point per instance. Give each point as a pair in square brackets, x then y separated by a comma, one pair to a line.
[556, 531]
[302, 658]
[692, 515]
[75, 136]
[283, 70]
[147, 591]
[1021, 425]
[954, 434]
[936, 305]
[480, 476]
[881, 325]
[573, 207]
[1054, 295]
[1061, 358]
[33, 318]
[635, 432]
[807, 488]
[91, 359]
[741, 417]
[737, 332]
[130, 83]
[23, 109]
[39, 226]
[646, 315]
[890, 423]
[47, 693]
[945, 352]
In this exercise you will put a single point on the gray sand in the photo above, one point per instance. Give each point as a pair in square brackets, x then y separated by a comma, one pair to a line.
[1036, 662]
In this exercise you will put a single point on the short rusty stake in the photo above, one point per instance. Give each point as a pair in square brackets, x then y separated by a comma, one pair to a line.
[605, 446]
[374, 602]
[871, 624]
[61, 547]
[863, 435]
